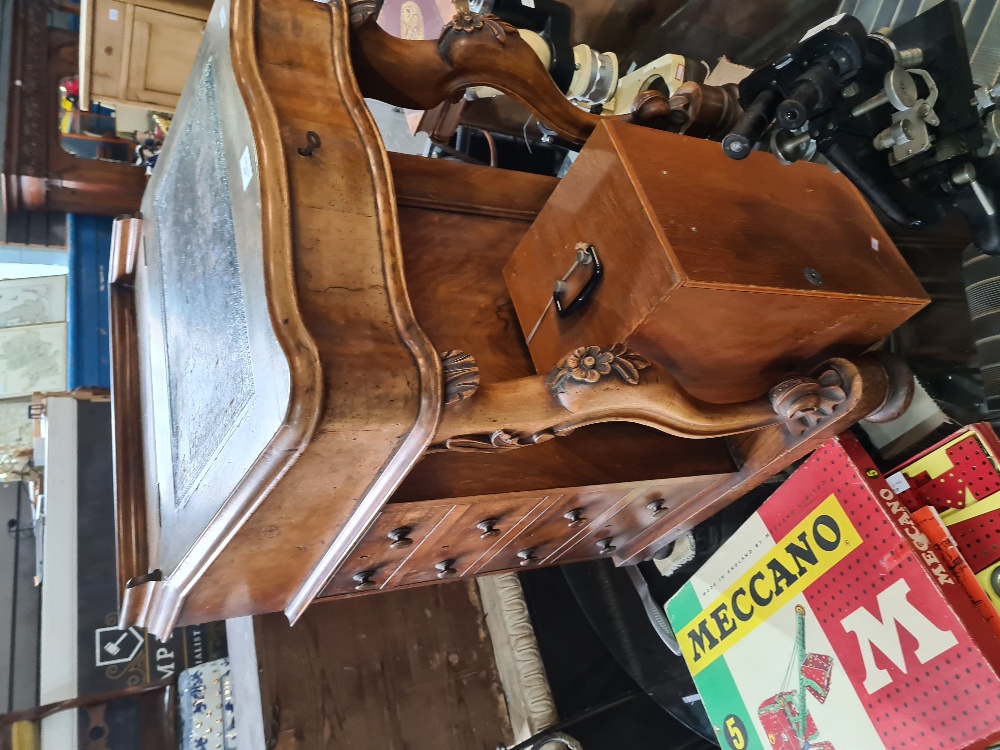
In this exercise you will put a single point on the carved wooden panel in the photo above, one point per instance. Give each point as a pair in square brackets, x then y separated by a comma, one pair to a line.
[210, 378]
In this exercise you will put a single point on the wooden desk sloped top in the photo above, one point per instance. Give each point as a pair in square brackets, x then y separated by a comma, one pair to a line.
[271, 387]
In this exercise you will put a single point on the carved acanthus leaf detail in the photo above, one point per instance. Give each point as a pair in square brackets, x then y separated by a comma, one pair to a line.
[498, 440]
[461, 375]
[589, 364]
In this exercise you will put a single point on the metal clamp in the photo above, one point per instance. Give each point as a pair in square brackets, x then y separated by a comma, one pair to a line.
[585, 255]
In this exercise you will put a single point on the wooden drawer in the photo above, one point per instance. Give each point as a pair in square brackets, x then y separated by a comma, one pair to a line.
[468, 535]
[396, 535]
[540, 541]
[636, 512]
[723, 298]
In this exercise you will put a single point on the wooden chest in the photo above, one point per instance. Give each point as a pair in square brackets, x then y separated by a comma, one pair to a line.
[728, 288]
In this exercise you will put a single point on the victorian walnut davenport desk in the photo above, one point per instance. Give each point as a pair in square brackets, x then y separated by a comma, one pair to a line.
[321, 387]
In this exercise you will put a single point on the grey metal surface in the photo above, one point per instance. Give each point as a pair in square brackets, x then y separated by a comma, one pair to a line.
[209, 374]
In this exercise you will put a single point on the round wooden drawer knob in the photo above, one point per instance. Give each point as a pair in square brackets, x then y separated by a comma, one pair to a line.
[575, 517]
[606, 546]
[527, 556]
[657, 507]
[488, 527]
[364, 580]
[400, 537]
[446, 569]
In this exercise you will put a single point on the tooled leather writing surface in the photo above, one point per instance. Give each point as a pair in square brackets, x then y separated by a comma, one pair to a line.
[209, 373]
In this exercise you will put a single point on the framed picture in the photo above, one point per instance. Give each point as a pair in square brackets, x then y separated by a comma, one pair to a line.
[29, 302]
[32, 358]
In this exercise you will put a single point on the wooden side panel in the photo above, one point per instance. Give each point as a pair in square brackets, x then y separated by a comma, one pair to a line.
[457, 287]
[596, 203]
[107, 48]
[163, 50]
[407, 670]
[453, 187]
[756, 223]
[697, 334]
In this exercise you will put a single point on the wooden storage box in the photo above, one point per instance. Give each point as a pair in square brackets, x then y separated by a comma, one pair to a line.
[730, 274]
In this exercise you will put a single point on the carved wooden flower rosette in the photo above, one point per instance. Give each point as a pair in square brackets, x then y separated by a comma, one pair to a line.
[589, 364]
[469, 22]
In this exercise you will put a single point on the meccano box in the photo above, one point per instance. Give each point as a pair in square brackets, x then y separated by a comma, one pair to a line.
[830, 622]
[958, 472]
[960, 477]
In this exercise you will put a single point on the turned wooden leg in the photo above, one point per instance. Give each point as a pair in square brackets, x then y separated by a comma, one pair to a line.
[877, 388]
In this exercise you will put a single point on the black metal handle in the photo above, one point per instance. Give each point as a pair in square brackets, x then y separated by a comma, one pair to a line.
[656, 507]
[585, 292]
[606, 545]
[488, 527]
[446, 568]
[575, 517]
[312, 143]
[756, 117]
[364, 580]
[527, 556]
[400, 537]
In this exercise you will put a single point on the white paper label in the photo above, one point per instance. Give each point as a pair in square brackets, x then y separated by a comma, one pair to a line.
[113, 14]
[816, 29]
[222, 17]
[246, 167]
[898, 482]
[528, 3]
[874, 244]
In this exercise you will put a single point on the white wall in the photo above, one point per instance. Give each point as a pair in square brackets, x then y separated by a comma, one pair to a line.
[58, 657]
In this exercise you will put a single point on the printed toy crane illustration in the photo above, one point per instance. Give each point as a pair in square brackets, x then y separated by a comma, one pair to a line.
[785, 717]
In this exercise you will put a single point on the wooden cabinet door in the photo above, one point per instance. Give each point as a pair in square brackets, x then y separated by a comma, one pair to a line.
[104, 69]
[164, 46]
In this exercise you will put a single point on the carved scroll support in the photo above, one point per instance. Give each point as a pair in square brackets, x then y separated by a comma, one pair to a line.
[482, 50]
[594, 385]
[473, 50]
[878, 388]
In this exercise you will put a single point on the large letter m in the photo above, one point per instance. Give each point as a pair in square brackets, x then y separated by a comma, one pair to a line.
[882, 632]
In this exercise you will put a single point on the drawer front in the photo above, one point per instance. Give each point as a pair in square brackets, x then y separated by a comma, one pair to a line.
[397, 534]
[469, 535]
[640, 510]
[564, 521]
